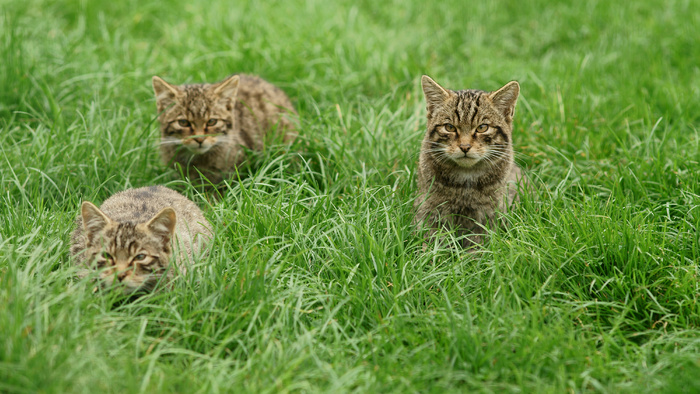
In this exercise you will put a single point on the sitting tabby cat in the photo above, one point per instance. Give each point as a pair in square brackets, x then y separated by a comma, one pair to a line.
[205, 128]
[132, 238]
[466, 170]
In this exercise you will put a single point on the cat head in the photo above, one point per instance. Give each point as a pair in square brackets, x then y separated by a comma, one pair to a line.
[195, 116]
[469, 128]
[134, 256]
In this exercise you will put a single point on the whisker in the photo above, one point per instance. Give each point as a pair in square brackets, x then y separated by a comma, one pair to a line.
[499, 156]
[433, 150]
[437, 144]
[170, 143]
[444, 158]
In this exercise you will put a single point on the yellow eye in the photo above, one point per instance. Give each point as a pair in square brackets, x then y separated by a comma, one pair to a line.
[450, 128]
[106, 260]
[482, 128]
[183, 122]
[140, 257]
[211, 122]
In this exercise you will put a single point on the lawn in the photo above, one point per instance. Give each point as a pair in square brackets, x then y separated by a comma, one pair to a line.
[317, 280]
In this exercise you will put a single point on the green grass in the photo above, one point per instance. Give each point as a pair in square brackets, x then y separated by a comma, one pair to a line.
[317, 280]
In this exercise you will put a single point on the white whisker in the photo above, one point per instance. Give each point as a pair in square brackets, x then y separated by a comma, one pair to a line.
[170, 143]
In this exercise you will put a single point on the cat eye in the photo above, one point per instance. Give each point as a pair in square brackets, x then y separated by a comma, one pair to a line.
[212, 122]
[146, 268]
[450, 128]
[107, 259]
[183, 122]
[140, 257]
[152, 266]
[482, 128]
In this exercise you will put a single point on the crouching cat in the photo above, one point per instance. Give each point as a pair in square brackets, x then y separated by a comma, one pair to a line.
[135, 235]
[207, 128]
[466, 169]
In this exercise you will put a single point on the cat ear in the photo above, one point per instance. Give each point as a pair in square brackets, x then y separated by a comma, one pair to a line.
[434, 93]
[94, 220]
[165, 93]
[163, 224]
[505, 98]
[227, 88]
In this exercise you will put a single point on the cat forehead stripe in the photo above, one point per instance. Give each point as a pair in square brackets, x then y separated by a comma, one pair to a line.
[125, 234]
[475, 108]
[198, 107]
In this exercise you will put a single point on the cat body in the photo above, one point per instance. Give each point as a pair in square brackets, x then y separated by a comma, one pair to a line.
[135, 235]
[206, 128]
[466, 170]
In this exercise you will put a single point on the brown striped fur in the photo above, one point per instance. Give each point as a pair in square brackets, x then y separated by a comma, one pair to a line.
[131, 239]
[206, 128]
[466, 170]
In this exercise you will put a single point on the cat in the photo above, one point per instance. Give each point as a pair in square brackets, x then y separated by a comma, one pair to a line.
[466, 169]
[132, 238]
[206, 128]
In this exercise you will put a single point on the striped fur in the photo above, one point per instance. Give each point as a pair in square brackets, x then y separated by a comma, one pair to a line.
[206, 128]
[131, 239]
[466, 162]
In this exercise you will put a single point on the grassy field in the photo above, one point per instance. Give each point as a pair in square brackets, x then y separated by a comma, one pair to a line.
[317, 281]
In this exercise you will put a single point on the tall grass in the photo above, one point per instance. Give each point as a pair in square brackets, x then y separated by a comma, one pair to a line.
[317, 280]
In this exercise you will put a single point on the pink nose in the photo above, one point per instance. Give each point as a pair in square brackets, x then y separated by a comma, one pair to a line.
[465, 147]
[200, 140]
[121, 275]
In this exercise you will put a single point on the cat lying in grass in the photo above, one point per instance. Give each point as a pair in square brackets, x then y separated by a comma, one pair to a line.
[207, 128]
[132, 239]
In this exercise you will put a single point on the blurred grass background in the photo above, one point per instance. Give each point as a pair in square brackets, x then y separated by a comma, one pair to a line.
[317, 281]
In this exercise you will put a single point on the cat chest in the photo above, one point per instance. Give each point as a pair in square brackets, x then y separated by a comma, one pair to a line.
[468, 196]
[461, 204]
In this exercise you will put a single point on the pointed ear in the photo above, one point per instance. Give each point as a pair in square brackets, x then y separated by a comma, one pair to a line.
[434, 93]
[505, 98]
[228, 88]
[166, 93]
[94, 220]
[163, 224]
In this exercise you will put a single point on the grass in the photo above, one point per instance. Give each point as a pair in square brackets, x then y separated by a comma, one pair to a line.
[317, 280]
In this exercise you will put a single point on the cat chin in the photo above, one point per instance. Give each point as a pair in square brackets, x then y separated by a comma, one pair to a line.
[466, 162]
[198, 150]
[127, 288]
[121, 288]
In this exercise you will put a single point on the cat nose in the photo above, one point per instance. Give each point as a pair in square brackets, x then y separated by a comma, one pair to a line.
[121, 275]
[200, 140]
[465, 147]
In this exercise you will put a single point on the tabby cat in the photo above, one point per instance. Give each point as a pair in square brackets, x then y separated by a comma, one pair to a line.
[132, 238]
[466, 170]
[206, 128]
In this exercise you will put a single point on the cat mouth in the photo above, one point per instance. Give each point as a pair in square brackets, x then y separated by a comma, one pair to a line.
[127, 289]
